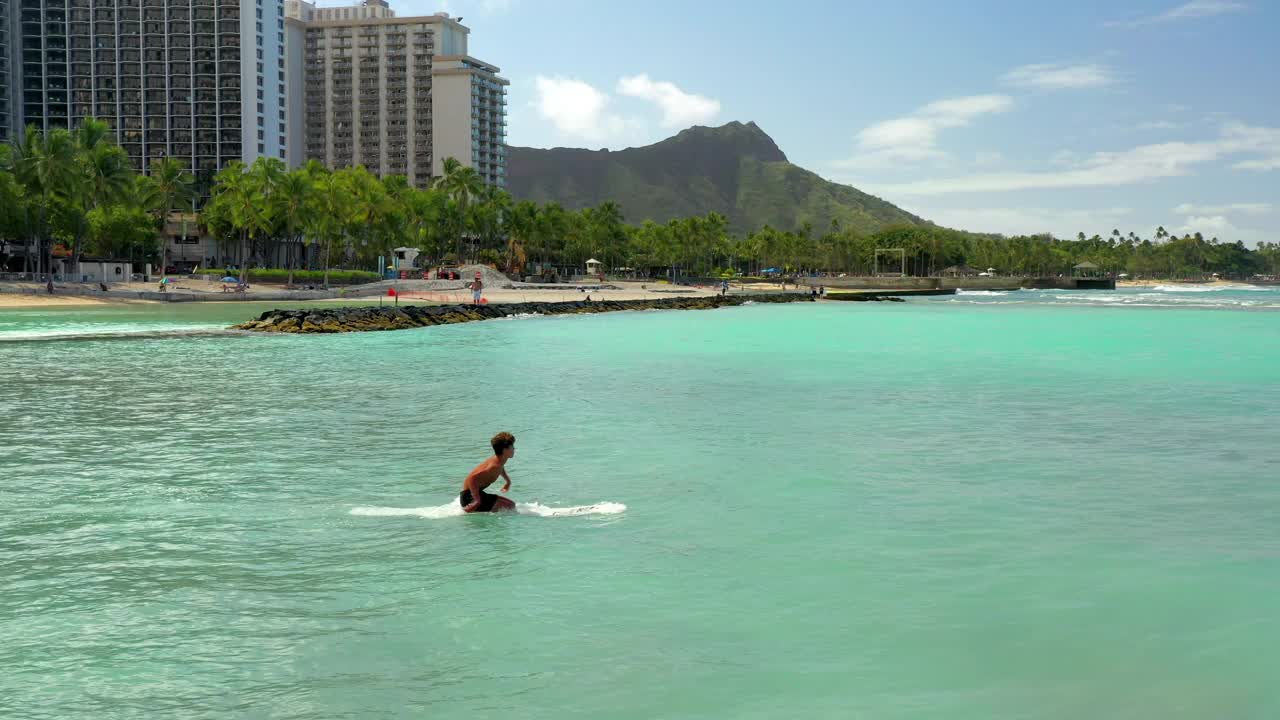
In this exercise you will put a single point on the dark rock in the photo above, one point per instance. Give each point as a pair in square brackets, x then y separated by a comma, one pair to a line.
[367, 319]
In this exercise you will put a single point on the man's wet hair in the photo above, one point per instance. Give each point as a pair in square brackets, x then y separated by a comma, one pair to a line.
[501, 442]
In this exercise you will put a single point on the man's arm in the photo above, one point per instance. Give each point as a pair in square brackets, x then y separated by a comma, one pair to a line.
[506, 477]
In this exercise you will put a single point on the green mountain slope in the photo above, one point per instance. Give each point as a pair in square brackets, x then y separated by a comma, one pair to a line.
[736, 170]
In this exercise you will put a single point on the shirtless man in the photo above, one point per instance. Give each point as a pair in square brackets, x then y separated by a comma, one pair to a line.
[473, 498]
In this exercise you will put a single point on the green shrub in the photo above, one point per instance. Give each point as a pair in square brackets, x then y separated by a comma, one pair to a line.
[341, 277]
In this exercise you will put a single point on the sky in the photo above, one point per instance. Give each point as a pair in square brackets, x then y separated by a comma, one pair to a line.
[1009, 116]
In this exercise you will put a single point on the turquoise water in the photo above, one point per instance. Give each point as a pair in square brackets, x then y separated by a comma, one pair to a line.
[986, 506]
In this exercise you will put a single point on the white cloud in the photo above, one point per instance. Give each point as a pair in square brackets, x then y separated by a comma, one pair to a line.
[988, 157]
[1063, 223]
[1186, 11]
[1244, 208]
[679, 108]
[1066, 158]
[1212, 225]
[1055, 76]
[914, 138]
[577, 109]
[581, 112]
[411, 8]
[1126, 167]
[1264, 164]
[1157, 125]
[1207, 225]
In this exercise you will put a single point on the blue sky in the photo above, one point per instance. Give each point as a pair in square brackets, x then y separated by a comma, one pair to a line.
[993, 116]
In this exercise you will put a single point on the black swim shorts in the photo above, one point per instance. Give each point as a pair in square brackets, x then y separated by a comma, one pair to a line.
[487, 501]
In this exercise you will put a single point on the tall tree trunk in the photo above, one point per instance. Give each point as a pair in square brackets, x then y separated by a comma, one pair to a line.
[244, 254]
[326, 263]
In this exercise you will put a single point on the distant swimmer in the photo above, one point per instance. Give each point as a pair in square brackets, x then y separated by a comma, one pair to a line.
[473, 498]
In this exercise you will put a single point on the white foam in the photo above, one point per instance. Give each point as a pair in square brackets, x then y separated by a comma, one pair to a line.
[982, 293]
[430, 513]
[1211, 288]
[108, 332]
[604, 508]
[453, 509]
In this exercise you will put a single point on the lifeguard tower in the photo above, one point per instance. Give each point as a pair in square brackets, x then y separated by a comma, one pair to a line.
[404, 257]
[595, 269]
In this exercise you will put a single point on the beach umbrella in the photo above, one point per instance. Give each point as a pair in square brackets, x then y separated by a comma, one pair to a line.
[230, 279]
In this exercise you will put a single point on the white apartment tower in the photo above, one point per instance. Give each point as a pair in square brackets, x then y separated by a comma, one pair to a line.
[397, 95]
[199, 80]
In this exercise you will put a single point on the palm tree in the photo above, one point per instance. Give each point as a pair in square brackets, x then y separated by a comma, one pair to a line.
[461, 184]
[172, 186]
[45, 165]
[608, 223]
[239, 195]
[332, 213]
[522, 224]
[292, 202]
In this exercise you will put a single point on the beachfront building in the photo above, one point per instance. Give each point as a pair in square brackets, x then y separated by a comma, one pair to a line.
[397, 95]
[199, 80]
[6, 96]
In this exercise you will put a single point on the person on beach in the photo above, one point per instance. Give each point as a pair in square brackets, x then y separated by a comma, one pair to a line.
[476, 288]
[473, 498]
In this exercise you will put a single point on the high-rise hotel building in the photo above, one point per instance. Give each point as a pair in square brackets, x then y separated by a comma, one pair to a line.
[6, 97]
[398, 95]
[199, 80]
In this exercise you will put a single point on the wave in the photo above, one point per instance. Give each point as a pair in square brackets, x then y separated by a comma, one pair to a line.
[453, 509]
[983, 293]
[1211, 288]
[57, 335]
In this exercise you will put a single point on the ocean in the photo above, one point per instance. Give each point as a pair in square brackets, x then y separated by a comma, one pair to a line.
[1041, 505]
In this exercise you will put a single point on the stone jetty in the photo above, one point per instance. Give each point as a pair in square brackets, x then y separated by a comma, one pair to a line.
[404, 317]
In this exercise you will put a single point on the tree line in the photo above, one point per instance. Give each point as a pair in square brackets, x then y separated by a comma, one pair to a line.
[76, 191]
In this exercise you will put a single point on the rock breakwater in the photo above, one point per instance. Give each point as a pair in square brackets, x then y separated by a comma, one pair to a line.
[365, 319]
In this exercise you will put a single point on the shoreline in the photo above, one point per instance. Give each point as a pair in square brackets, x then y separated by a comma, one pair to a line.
[18, 296]
[34, 295]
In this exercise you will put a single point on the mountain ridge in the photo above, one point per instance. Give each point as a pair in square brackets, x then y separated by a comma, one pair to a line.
[735, 169]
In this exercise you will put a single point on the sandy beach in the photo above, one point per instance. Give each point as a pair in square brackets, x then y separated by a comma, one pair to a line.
[31, 295]
[14, 300]
[1154, 283]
